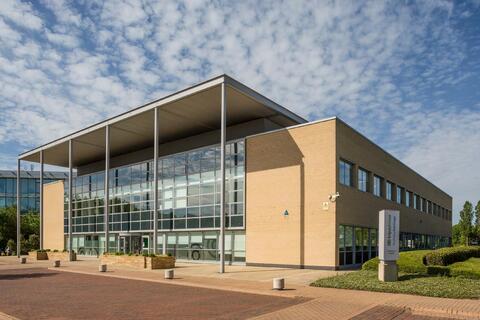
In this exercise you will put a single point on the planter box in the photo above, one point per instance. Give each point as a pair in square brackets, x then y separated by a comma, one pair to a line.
[160, 262]
[139, 262]
[63, 256]
[38, 255]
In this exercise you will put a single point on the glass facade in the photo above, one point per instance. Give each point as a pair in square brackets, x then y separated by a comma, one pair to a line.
[188, 197]
[359, 244]
[356, 244]
[29, 191]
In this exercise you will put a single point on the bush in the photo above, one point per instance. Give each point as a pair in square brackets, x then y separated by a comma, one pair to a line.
[55, 250]
[119, 253]
[438, 270]
[447, 256]
[408, 262]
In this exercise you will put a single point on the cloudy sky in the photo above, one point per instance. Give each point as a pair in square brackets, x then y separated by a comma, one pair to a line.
[405, 73]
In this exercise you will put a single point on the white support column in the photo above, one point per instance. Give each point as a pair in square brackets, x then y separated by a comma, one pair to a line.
[18, 208]
[41, 200]
[70, 197]
[107, 186]
[222, 183]
[155, 182]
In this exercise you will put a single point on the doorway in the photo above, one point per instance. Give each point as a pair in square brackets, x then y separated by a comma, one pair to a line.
[129, 243]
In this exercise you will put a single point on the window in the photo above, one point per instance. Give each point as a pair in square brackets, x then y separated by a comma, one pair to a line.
[362, 180]
[388, 189]
[422, 204]
[399, 194]
[345, 173]
[377, 186]
[407, 198]
[415, 199]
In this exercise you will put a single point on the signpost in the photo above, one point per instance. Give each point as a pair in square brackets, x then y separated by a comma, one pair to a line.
[388, 245]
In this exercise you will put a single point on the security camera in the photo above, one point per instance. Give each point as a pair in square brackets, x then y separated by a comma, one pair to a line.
[333, 197]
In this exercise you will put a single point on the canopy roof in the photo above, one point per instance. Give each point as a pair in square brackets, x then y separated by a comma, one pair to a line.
[189, 112]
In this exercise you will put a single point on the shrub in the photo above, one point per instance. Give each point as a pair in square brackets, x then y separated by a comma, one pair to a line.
[447, 256]
[408, 262]
[438, 270]
[55, 250]
[119, 253]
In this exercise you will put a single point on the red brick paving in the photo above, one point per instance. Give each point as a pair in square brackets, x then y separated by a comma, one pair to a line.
[39, 293]
[392, 313]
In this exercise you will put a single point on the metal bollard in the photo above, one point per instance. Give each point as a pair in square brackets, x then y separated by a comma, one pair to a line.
[56, 263]
[278, 283]
[169, 274]
[23, 260]
[102, 268]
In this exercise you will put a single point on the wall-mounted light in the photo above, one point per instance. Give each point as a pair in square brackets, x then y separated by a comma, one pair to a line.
[285, 213]
[333, 197]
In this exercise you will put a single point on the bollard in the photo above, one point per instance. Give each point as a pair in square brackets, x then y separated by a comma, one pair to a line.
[278, 283]
[169, 274]
[102, 268]
[56, 263]
[23, 260]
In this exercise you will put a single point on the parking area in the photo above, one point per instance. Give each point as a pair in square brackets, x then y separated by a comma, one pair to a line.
[40, 293]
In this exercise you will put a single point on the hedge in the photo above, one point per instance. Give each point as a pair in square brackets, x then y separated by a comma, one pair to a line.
[447, 256]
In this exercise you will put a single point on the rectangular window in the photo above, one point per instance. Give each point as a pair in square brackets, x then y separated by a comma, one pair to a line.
[362, 180]
[388, 190]
[399, 195]
[377, 186]
[407, 198]
[346, 173]
[415, 199]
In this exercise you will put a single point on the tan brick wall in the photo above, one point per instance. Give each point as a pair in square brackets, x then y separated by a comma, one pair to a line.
[297, 169]
[291, 170]
[53, 237]
[360, 208]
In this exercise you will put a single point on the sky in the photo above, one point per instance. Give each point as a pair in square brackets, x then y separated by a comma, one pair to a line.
[404, 73]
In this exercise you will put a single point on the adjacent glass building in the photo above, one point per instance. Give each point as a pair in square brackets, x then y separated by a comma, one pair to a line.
[188, 202]
[29, 188]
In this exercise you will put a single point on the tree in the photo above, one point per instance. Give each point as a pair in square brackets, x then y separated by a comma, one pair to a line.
[30, 225]
[477, 221]
[456, 235]
[466, 217]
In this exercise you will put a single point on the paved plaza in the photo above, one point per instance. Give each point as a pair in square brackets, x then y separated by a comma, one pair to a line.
[77, 290]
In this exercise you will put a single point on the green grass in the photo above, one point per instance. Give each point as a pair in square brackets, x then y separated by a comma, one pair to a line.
[417, 284]
[468, 269]
[408, 262]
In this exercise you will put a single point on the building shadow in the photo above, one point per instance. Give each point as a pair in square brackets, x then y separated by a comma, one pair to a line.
[19, 276]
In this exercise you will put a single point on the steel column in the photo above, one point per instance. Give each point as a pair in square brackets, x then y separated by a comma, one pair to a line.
[107, 186]
[222, 183]
[70, 197]
[18, 208]
[41, 199]
[155, 182]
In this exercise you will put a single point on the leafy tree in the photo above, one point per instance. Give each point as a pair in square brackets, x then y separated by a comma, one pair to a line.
[477, 220]
[30, 225]
[456, 235]
[466, 217]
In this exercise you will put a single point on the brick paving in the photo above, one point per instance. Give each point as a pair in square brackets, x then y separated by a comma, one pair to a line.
[39, 293]
[392, 313]
[324, 303]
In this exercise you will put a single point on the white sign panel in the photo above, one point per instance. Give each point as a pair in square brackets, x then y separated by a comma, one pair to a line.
[388, 235]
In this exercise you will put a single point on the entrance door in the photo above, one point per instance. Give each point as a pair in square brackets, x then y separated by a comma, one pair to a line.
[124, 244]
[146, 244]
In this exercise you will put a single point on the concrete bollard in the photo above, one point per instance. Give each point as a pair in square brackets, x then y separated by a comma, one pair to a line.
[23, 260]
[278, 283]
[102, 268]
[169, 274]
[56, 263]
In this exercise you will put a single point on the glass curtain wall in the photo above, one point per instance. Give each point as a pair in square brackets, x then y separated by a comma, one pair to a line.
[30, 193]
[188, 196]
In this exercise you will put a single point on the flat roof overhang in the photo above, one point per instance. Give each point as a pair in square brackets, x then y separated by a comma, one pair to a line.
[189, 112]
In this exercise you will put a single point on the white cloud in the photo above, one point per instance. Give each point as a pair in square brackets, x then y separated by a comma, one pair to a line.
[387, 68]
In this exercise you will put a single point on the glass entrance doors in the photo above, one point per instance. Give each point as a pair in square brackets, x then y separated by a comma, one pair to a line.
[129, 244]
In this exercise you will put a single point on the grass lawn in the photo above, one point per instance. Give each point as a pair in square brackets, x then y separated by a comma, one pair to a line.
[414, 278]
[469, 268]
[418, 284]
